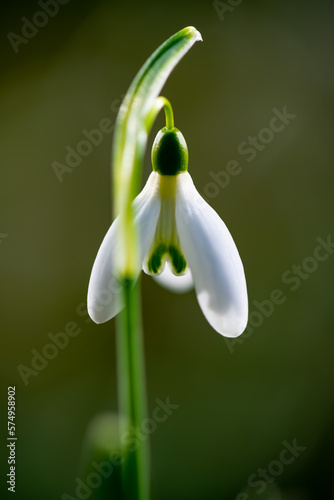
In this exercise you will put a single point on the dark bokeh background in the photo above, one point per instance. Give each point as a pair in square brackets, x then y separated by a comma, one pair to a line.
[237, 402]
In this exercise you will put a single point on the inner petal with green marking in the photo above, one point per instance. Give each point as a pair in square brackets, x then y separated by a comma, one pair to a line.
[166, 245]
[163, 252]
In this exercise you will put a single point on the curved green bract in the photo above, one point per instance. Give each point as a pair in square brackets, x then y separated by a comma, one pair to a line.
[134, 121]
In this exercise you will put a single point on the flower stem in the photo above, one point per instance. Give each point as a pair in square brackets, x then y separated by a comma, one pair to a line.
[132, 396]
[131, 371]
[134, 121]
[168, 114]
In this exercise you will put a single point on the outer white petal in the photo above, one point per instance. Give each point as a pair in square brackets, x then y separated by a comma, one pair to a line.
[213, 259]
[104, 290]
[176, 284]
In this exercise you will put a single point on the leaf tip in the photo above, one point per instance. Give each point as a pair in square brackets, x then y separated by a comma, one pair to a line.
[195, 33]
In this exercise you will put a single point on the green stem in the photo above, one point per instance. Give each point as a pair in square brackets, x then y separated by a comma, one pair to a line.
[169, 114]
[131, 371]
[132, 396]
[134, 121]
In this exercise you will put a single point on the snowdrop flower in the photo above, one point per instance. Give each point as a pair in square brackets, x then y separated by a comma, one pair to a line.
[183, 243]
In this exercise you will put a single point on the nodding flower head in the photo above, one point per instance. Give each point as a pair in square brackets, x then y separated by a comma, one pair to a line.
[183, 243]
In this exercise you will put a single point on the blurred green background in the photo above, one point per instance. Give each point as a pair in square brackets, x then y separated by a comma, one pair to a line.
[237, 402]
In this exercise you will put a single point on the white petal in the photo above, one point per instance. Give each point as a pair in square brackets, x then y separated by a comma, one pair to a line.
[213, 259]
[176, 284]
[104, 291]
[147, 209]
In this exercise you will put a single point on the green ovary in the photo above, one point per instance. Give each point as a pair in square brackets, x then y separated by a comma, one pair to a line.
[178, 261]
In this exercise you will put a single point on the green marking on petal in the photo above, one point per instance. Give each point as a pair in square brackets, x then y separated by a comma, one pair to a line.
[154, 262]
[178, 261]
